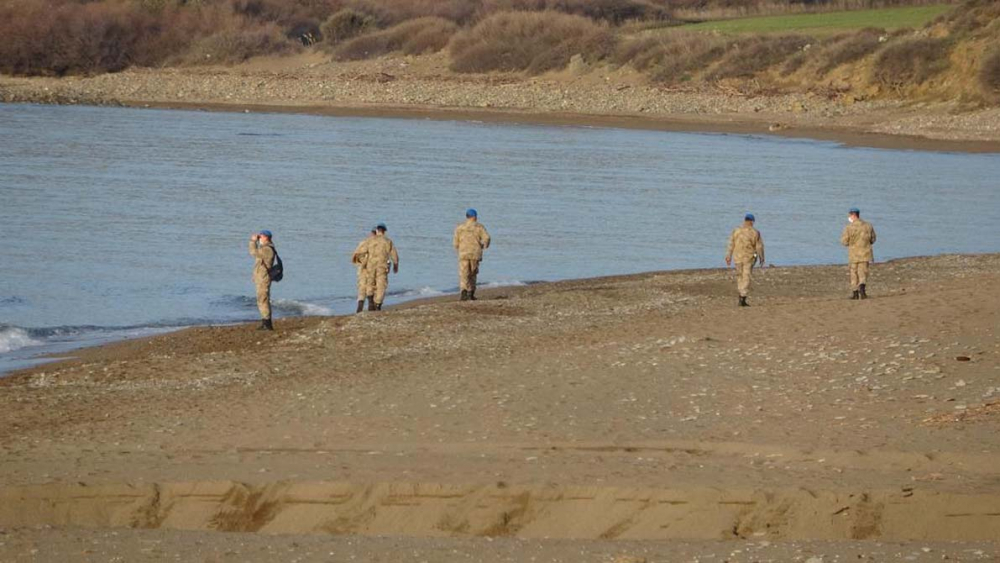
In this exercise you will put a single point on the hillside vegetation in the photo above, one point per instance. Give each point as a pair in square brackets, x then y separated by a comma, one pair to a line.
[910, 49]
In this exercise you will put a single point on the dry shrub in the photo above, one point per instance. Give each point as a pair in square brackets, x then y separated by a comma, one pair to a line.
[535, 42]
[299, 19]
[971, 16]
[671, 57]
[989, 72]
[414, 37]
[71, 38]
[746, 57]
[346, 24]
[392, 12]
[849, 49]
[613, 11]
[235, 45]
[911, 62]
[836, 51]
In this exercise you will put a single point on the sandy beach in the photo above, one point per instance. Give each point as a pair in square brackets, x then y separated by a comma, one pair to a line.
[422, 87]
[636, 418]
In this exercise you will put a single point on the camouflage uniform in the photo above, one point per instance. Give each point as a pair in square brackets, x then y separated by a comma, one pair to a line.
[360, 259]
[858, 237]
[745, 248]
[381, 251]
[470, 240]
[263, 256]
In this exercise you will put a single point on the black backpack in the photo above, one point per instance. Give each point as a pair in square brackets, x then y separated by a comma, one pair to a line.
[277, 271]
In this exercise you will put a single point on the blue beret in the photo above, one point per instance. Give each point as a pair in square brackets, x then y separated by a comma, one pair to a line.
[266, 233]
[749, 217]
[854, 210]
[471, 213]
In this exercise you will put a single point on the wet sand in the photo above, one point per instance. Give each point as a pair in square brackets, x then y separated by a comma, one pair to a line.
[634, 418]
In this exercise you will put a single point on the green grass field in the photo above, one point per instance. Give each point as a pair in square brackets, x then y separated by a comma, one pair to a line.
[827, 23]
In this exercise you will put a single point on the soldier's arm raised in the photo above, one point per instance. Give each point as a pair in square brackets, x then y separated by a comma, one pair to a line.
[253, 248]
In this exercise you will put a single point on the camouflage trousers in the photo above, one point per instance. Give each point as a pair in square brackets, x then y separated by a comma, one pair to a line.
[263, 298]
[468, 272]
[363, 288]
[378, 283]
[743, 271]
[859, 274]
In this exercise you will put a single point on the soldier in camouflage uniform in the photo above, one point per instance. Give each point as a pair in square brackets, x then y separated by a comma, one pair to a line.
[470, 240]
[360, 259]
[381, 251]
[746, 247]
[858, 237]
[262, 251]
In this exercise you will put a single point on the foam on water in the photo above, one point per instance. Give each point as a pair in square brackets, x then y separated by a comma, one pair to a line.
[14, 338]
[292, 307]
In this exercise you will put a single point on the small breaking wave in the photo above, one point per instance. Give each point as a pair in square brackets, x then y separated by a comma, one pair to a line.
[299, 308]
[417, 293]
[287, 307]
[14, 338]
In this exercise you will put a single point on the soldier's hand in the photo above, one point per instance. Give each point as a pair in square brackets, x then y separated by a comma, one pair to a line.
[729, 261]
[395, 268]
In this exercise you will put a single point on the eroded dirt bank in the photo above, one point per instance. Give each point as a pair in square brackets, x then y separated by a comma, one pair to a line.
[644, 407]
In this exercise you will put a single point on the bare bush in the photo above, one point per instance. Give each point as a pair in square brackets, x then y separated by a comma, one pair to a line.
[972, 16]
[911, 62]
[989, 73]
[849, 49]
[746, 57]
[346, 24]
[414, 37]
[72, 38]
[392, 12]
[529, 41]
[612, 11]
[236, 45]
[672, 57]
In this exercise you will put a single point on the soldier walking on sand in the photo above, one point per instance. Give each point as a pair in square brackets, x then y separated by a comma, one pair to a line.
[858, 237]
[381, 251]
[262, 251]
[470, 240]
[745, 248]
[360, 259]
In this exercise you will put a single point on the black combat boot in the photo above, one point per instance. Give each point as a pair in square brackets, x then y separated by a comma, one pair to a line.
[861, 291]
[371, 304]
[743, 302]
[266, 325]
[472, 295]
[378, 306]
[856, 295]
[361, 306]
[465, 295]
[262, 325]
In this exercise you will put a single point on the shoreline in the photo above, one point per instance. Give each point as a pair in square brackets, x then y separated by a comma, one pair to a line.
[847, 136]
[422, 87]
[56, 360]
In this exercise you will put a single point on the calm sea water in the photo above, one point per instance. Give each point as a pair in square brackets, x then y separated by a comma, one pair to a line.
[119, 222]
